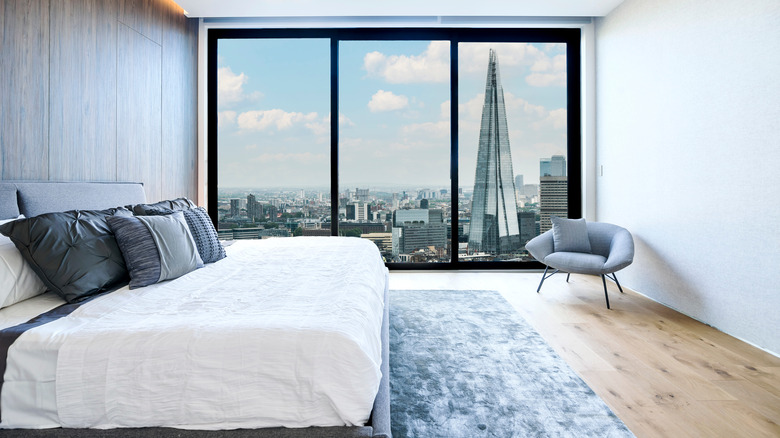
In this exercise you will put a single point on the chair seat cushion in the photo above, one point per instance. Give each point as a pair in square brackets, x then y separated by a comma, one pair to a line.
[576, 262]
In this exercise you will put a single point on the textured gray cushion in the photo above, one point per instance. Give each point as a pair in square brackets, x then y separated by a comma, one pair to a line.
[162, 207]
[166, 250]
[9, 206]
[570, 235]
[576, 262]
[74, 253]
[205, 235]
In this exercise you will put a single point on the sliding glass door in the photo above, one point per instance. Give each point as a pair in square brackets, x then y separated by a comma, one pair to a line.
[394, 147]
[445, 147]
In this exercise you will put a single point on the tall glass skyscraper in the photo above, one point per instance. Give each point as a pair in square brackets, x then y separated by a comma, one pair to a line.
[494, 226]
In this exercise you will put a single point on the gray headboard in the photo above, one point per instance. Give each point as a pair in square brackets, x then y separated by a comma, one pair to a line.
[38, 197]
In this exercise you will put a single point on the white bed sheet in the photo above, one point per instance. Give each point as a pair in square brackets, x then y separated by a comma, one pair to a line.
[283, 332]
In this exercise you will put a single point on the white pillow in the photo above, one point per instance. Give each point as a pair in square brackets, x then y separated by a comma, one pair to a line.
[18, 281]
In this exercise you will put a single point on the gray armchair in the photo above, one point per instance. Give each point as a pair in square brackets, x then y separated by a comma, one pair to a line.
[611, 249]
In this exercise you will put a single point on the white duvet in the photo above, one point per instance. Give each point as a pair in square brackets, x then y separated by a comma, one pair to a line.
[282, 332]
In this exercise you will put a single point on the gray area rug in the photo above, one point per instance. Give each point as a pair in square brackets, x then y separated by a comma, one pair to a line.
[466, 364]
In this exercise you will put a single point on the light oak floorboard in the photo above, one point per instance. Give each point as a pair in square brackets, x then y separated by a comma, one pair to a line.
[664, 374]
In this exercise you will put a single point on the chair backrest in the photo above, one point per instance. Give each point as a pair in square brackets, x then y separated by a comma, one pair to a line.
[600, 235]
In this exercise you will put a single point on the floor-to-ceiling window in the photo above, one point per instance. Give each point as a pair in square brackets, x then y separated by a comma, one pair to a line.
[445, 147]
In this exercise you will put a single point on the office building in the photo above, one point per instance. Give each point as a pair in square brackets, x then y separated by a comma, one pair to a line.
[494, 227]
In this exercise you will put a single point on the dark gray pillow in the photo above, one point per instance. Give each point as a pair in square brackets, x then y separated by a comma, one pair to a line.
[155, 248]
[9, 206]
[205, 235]
[570, 235]
[162, 207]
[73, 252]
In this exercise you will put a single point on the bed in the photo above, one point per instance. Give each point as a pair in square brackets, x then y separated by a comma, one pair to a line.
[287, 337]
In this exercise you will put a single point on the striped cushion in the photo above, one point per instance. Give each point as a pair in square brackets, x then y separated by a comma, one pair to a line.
[155, 248]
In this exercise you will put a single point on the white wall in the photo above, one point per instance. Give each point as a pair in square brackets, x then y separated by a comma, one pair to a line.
[688, 134]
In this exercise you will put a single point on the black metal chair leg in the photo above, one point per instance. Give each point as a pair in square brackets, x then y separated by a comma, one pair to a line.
[604, 280]
[567, 276]
[544, 275]
[614, 277]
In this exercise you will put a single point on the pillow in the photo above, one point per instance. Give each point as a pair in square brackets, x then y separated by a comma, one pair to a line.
[162, 207]
[73, 252]
[570, 235]
[18, 281]
[205, 235]
[9, 205]
[155, 248]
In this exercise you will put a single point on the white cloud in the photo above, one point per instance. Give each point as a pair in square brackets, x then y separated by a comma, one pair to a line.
[445, 109]
[323, 127]
[230, 87]
[433, 65]
[555, 118]
[280, 119]
[548, 72]
[387, 101]
[429, 129]
[226, 118]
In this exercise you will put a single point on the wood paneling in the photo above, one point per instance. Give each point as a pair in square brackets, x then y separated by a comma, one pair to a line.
[86, 95]
[180, 96]
[24, 94]
[139, 110]
[144, 16]
[83, 90]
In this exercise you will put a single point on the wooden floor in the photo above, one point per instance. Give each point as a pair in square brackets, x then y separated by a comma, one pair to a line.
[663, 373]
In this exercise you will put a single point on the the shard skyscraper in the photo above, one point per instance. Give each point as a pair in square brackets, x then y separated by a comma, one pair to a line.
[494, 228]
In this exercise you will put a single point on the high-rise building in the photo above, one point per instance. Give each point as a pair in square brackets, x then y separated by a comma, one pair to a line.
[254, 209]
[553, 199]
[519, 182]
[527, 226]
[362, 195]
[234, 207]
[494, 226]
[554, 166]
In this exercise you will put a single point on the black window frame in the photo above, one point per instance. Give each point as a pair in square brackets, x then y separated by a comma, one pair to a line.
[570, 36]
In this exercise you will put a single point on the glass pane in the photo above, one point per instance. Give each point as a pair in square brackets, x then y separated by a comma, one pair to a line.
[274, 137]
[394, 147]
[512, 146]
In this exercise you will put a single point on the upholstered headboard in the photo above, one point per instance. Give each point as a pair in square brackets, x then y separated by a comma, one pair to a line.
[32, 198]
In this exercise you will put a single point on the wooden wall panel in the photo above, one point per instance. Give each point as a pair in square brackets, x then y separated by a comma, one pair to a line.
[144, 16]
[83, 90]
[85, 93]
[139, 110]
[179, 105]
[24, 91]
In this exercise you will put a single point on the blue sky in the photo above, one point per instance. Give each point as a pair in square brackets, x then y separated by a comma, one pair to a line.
[394, 111]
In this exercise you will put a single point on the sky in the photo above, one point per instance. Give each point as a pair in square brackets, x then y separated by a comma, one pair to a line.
[394, 111]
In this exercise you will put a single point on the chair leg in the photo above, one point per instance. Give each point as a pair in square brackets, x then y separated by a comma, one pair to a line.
[545, 277]
[614, 277]
[604, 280]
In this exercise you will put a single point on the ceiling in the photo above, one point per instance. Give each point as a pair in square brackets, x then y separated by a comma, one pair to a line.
[396, 8]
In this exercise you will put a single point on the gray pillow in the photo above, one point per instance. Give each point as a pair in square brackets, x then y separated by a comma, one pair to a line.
[162, 207]
[205, 235]
[570, 235]
[155, 248]
[74, 253]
